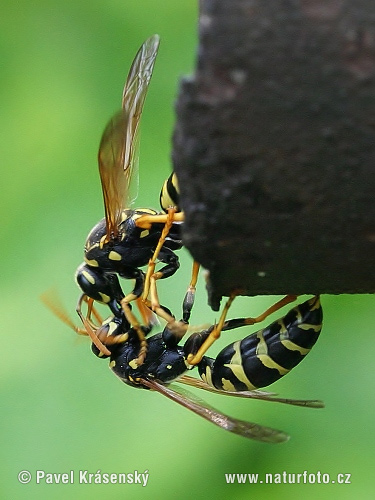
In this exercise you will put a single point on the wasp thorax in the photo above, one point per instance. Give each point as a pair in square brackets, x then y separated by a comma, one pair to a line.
[96, 235]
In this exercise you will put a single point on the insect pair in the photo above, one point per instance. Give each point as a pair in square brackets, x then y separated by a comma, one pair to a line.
[126, 240]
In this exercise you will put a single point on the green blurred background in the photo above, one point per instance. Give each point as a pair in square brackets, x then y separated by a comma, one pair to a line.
[63, 65]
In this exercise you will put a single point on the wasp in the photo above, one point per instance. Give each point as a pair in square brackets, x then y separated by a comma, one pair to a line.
[240, 369]
[127, 239]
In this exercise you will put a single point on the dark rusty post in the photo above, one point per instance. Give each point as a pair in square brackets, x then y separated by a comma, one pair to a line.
[274, 147]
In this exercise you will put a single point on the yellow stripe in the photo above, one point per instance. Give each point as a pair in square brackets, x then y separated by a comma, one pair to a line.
[105, 298]
[90, 278]
[270, 363]
[166, 200]
[207, 376]
[264, 358]
[236, 367]
[227, 385]
[92, 262]
[175, 182]
[288, 344]
[114, 255]
[315, 306]
[307, 326]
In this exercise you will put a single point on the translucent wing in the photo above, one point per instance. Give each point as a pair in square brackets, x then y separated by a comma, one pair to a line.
[117, 150]
[246, 429]
[263, 395]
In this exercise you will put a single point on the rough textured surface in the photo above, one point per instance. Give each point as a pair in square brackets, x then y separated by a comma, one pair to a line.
[274, 147]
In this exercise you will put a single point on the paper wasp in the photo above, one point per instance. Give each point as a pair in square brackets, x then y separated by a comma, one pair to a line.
[126, 239]
[238, 370]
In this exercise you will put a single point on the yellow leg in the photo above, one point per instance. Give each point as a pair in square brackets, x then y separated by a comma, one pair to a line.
[194, 359]
[91, 310]
[215, 334]
[146, 221]
[178, 328]
[93, 337]
[275, 307]
[152, 262]
[148, 316]
[137, 327]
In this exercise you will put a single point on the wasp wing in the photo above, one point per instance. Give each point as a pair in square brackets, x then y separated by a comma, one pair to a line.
[263, 395]
[117, 150]
[246, 429]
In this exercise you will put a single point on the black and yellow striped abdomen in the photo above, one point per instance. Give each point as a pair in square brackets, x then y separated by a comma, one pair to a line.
[265, 356]
[170, 194]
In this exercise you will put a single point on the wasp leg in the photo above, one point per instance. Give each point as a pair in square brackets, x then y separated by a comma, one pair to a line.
[188, 302]
[148, 316]
[146, 221]
[139, 278]
[91, 311]
[132, 319]
[194, 359]
[176, 328]
[172, 264]
[90, 328]
[152, 262]
[275, 307]
[138, 275]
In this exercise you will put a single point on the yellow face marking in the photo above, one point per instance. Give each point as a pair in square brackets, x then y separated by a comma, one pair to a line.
[144, 233]
[114, 255]
[105, 298]
[188, 365]
[112, 364]
[133, 364]
[92, 262]
[90, 278]
[236, 367]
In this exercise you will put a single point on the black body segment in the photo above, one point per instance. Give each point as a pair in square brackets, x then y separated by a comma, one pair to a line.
[266, 355]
